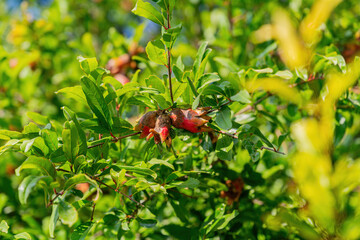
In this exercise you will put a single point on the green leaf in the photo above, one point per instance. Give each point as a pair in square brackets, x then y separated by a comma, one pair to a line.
[154, 161]
[178, 73]
[170, 35]
[81, 231]
[53, 220]
[243, 97]
[75, 93]
[138, 170]
[202, 66]
[224, 148]
[148, 223]
[161, 101]
[155, 51]
[199, 58]
[192, 87]
[31, 130]
[179, 210]
[174, 176]
[38, 118]
[67, 213]
[28, 184]
[141, 100]
[155, 82]
[282, 139]
[8, 146]
[23, 236]
[88, 64]
[82, 203]
[221, 223]
[223, 118]
[7, 135]
[286, 74]
[207, 79]
[178, 89]
[79, 163]
[70, 141]
[118, 177]
[42, 164]
[80, 178]
[129, 87]
[196, 102]
[258, 133]
[58, 156]
[4, 227]
[70, 115]
[50, 138]
[212, 90]
[96, 102]
[190, 183]
[146, 10]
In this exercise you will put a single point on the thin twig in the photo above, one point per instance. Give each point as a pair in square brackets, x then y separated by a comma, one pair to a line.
[222, 105]
[174, 152]
[115, 139]
[226, 133]
[92, 213]
[272, 149]
[101, 182]
[56, 196]
[63, 170]
[303, 82]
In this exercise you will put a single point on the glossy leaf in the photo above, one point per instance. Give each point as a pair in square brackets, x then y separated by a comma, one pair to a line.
[28, 184]
[146, 10]
[96, 102]
[39, 163]
[155, 51]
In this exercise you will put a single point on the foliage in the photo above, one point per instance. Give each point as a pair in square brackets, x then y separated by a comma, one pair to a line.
[272, 87]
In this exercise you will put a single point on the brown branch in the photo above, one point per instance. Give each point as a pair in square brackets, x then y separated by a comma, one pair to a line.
[116, 190]
[115, 139]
